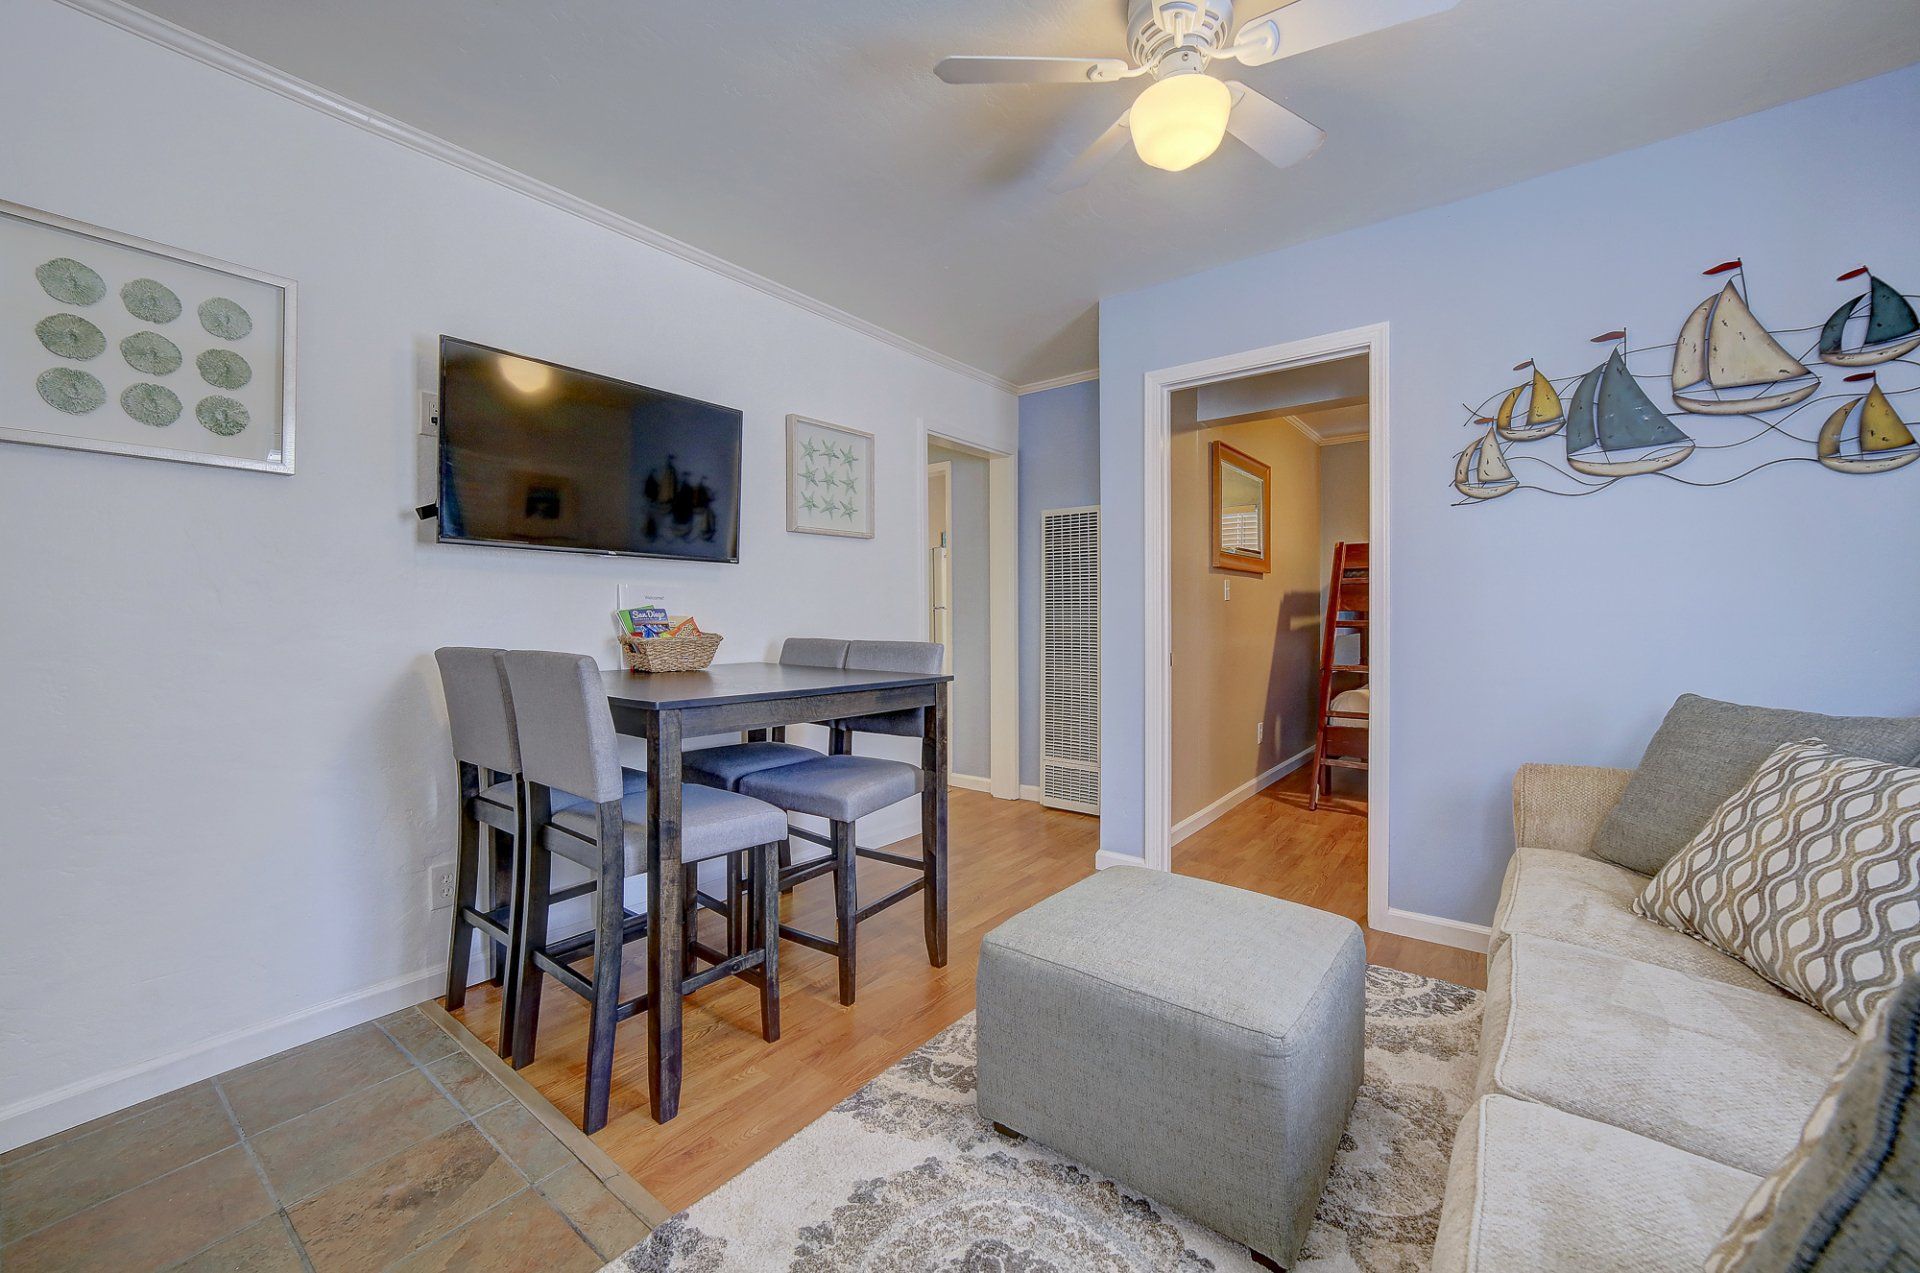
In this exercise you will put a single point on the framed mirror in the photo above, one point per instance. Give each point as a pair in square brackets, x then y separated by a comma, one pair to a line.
[1240, 516]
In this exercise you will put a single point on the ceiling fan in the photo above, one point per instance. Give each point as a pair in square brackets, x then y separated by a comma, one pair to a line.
[1182, 116]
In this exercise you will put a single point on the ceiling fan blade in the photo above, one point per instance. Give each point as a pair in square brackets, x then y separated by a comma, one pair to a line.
[1306, 25]
[1093, 158]
[1033, 70]
[1273, 132]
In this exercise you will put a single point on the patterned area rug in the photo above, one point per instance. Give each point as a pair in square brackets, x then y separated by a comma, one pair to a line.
[905, 1176]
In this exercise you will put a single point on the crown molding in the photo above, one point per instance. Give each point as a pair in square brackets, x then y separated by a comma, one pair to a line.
[208, 52]
[1059, 382]
[1325, 439]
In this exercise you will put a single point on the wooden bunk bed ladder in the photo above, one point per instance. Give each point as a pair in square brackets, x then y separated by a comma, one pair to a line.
[1340, 739]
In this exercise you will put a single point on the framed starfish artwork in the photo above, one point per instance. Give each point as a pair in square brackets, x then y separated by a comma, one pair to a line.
[829, 479]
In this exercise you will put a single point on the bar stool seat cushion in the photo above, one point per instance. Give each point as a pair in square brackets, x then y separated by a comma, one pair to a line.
[500, 793]
[724, 767]
[840, 788]
[712, 823]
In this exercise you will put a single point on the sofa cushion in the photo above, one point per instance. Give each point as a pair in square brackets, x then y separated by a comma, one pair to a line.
[1588, 902]
[1705, 750]
[1848, 1196]
[1809, 876]
[1717, 1070]
[1533, 1187]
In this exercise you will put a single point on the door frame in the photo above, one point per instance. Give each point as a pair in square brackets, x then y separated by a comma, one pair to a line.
[1156, 517]
[1003, 602]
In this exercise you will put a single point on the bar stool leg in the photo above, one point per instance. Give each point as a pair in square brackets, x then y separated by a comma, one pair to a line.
[739, 896]
[500, 850]
[516, 935]
[689, 919]
[764, 885]
[466, 888]
[608, 942]
[846, 905]
[534, 908]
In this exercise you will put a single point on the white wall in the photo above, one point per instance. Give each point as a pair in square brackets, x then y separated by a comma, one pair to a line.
[1552, 629]
[1343, 500]
[223, 746]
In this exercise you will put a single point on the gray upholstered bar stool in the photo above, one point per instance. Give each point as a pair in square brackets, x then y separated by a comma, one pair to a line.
[725, 766]
[843, 788]
[486, 753]
[579, 806]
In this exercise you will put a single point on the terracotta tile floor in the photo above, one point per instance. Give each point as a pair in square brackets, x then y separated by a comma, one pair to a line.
[385, 1146]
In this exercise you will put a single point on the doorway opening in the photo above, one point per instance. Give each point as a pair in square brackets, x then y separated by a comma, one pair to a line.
[972, 607]
[1268, 483]
[1234, 648]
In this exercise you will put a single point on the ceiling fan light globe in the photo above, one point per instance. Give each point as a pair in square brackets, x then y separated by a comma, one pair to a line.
[1179, 120]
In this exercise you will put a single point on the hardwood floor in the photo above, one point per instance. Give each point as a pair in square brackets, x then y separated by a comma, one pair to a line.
[1274, 845]
[742, 1097]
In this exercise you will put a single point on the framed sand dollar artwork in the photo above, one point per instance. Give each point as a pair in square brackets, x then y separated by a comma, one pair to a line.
[112, 343]
[829, 479]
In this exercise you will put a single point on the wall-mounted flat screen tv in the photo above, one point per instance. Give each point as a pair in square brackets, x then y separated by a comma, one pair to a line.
[537, 455]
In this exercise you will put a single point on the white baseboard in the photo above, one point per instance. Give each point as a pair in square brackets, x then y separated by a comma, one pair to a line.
[968, 782]
[1434, 928]
[1104, 858]
[1238, 796]
[25, 1121]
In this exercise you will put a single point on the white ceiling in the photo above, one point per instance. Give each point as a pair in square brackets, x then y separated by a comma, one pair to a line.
[810, 142]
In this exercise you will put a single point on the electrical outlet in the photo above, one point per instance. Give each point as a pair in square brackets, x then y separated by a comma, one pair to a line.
[1260, 731]
[440, 886]
[429, 414]
[1226, 590]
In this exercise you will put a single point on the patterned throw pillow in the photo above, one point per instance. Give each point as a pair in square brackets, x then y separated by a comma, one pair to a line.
[1844, 1198]
[1810, 876]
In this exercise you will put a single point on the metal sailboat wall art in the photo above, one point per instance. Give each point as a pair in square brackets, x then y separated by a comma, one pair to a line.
[1544, 414]
[1736, 393]
[1889, 328]
[1613, 428]
[1482, 472]
[1881, 440]
[1723, 346]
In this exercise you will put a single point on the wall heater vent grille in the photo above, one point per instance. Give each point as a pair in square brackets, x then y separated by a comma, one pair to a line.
[1070, 659]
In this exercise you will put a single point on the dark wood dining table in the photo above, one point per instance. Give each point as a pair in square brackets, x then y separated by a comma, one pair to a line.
[667, 708]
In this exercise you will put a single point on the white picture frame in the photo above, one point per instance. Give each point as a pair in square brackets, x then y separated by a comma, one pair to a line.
[830, 486]
[117, 344]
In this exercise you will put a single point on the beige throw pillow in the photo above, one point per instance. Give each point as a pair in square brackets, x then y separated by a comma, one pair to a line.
[1810, 876]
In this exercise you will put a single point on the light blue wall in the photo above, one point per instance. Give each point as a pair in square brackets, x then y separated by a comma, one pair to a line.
[1059, 468]
[1550, 629]
[972, 597]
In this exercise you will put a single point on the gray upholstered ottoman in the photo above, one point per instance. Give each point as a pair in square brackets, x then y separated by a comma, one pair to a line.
[1198, 1043]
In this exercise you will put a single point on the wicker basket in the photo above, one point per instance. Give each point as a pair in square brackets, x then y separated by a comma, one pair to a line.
[669, 653]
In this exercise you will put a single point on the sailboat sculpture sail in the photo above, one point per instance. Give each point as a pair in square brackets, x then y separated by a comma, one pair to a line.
[1892, 330]
[1882, 441]
[1613, 428]
[1544, 413]
[1482, 472]
[1724, 346]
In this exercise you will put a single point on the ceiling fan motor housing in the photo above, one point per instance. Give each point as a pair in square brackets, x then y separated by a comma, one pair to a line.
[1177, 37]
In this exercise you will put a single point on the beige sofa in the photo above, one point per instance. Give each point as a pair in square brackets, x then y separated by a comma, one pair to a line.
[1634, 1084]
